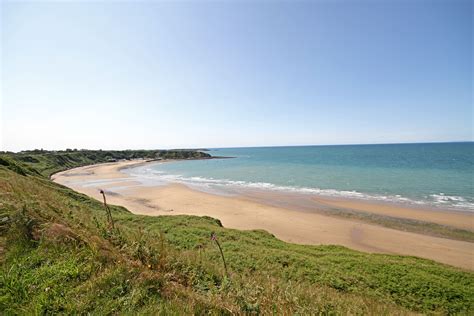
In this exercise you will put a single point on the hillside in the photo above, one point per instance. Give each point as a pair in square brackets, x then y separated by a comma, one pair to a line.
[48, 162]
[59, 254]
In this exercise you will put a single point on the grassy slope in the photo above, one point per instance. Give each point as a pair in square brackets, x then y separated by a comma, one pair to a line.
[57, 255]
[47, 162]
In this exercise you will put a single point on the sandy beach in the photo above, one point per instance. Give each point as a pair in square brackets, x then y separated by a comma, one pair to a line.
[286, 223]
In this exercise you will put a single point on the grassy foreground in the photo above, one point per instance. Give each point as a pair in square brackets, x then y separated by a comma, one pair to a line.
[58, 255]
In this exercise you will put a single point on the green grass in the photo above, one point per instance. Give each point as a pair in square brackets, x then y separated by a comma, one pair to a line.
[57, 256]
[49, 162]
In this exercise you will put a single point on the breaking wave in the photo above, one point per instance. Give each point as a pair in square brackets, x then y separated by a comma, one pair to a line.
[149, 176]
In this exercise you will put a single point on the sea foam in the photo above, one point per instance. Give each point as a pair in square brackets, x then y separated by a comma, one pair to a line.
[150, 176]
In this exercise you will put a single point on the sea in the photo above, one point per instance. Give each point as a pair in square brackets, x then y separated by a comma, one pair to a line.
[438, 175]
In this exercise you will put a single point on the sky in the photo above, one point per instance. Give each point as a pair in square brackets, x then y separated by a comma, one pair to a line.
[189, 74]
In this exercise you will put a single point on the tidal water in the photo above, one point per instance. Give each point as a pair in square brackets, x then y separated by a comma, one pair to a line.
[432, 174]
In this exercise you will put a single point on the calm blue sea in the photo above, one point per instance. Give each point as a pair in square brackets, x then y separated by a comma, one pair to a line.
[424, 174]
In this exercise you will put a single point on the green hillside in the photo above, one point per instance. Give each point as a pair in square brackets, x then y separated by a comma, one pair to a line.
[59, 255]
[49, 162]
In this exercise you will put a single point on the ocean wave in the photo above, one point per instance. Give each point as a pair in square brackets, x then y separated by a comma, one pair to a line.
[149, 174]
[457, 201]
[442, 198]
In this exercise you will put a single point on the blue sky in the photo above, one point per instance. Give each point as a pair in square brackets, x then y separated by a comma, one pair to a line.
[225, 73]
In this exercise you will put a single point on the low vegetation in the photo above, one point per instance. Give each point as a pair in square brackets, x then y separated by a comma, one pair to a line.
[59, 255]
[49, 162]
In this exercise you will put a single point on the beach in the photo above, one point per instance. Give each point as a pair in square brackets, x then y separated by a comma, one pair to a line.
[302, 225]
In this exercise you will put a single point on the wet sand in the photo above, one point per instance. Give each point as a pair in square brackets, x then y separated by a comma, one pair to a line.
[291, 225]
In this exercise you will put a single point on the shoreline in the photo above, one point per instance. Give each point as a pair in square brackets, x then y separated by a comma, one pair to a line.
[328, 198]
[289, 223]
[313, 202]
[153, 161]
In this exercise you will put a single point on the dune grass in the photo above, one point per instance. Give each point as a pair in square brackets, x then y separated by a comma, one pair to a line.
[58, 255]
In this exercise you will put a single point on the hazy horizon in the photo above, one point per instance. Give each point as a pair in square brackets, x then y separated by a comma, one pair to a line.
[236, 147]
[123, 75]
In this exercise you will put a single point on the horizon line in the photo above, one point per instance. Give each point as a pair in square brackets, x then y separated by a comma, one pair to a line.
[264, 146]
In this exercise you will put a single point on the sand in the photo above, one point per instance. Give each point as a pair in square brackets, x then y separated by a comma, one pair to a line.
[458, 219]
[287, 224]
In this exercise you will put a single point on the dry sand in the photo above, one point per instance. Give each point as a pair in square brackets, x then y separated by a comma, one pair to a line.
[286, 224]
